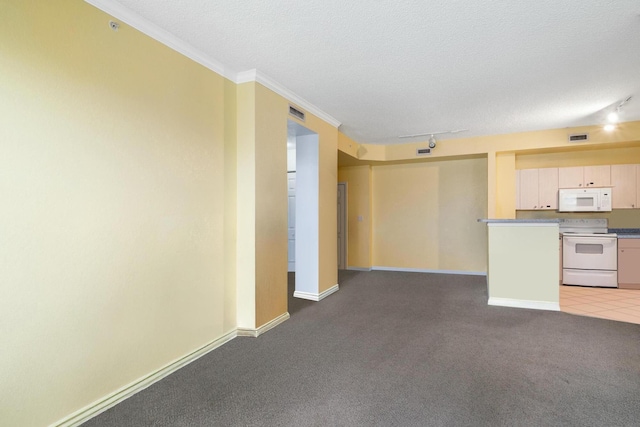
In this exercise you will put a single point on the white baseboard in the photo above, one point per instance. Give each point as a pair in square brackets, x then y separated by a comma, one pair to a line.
[249, 332]
[359, 268]
[316, 297]
[516, 303]
[112, 399]
[421, 270]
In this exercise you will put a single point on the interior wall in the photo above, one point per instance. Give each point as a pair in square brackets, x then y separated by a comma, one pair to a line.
[114, 238]
[271, 205]
[505, 185]
[604, 156]
[246, 206]
[307, 220]
[425, 215]
[359, 204]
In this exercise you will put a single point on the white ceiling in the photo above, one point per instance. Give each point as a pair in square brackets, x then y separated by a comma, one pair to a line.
[388, 68]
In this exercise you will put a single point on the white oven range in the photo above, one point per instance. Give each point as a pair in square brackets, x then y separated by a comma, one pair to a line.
[589, 253]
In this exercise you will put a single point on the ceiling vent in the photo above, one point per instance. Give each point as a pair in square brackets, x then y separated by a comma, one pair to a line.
[296, 113]
[579, 137]
[423, 151]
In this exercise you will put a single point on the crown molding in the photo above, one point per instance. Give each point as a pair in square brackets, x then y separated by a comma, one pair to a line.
[136, 21]
[147, 27]
[256, 76]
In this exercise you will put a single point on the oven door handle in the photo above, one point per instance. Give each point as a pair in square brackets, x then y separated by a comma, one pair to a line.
[590, 240]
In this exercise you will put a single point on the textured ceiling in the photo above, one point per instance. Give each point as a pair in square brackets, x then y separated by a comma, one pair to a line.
[388, 68]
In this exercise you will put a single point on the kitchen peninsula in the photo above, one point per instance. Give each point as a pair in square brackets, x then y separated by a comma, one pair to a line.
[523, 263]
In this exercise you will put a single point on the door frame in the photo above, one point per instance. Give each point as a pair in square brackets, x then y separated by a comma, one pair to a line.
[342, 244]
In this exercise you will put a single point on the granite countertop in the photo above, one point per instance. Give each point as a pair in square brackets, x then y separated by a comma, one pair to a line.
[626, 233]
[519, 221]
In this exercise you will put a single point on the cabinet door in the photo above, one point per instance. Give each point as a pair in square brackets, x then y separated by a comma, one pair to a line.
[625, 186]
[529, 189]
[628, 266]
[597, 176]
[548, 188]
[637, 184]
[571, 177]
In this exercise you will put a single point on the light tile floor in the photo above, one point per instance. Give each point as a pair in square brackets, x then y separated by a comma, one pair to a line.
[607, 303]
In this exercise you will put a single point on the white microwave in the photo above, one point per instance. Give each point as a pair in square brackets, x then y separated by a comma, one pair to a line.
[584, 199]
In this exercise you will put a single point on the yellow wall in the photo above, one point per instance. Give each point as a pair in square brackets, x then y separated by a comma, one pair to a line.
[602, 156]
[115, 219]
[359, 204]
[144, 208]
[395, 246]
[262, 204]
[425, 215]
[271, 204]
[505, 205]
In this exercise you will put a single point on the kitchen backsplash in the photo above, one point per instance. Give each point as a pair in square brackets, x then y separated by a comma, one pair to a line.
[618, 218]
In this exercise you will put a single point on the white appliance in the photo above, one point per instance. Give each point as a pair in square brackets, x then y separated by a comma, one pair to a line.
[584, 199]
[589, 253]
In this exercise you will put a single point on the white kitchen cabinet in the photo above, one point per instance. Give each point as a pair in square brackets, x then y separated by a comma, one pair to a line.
[584, 176]
[624, 180]
[597, 176]
[538, 189]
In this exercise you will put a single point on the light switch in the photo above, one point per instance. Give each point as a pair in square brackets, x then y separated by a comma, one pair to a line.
[359, 218]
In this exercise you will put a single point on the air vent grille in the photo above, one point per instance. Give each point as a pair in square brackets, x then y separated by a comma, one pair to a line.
[423, 151]
[578, 137]
[296, 113]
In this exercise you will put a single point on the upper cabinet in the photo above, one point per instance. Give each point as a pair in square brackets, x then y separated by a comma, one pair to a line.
[624, 180]
[537, 189]
[584, 176]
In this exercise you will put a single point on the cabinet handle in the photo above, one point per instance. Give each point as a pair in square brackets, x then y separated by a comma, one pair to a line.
[579, 185]
[621, 250]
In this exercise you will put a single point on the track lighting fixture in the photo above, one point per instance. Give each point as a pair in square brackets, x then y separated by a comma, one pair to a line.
[614, 116]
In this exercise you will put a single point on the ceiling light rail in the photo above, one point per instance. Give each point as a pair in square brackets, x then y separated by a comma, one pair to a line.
[415, 135]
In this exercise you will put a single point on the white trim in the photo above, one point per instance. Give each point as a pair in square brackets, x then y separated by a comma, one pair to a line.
[316, 297]
[249, 332]
[257, 76]
[112, 399]
[421, 270]
[517, 303]
[152, 30]
[359, 268]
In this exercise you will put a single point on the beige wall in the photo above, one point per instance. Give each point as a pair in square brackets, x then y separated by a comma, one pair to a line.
[425, 215]
[246, 205]
[262, 204]
[116, 226]
[271, 204]
[524, 264]
[359, 204]
[396, 188]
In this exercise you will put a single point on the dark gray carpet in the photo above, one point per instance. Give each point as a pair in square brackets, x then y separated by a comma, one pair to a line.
[405, 349]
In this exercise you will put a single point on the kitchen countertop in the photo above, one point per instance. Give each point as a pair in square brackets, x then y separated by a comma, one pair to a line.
[626, 233]
[519, 221]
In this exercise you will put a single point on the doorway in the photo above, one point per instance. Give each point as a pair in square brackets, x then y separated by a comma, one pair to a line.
[303, 171]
